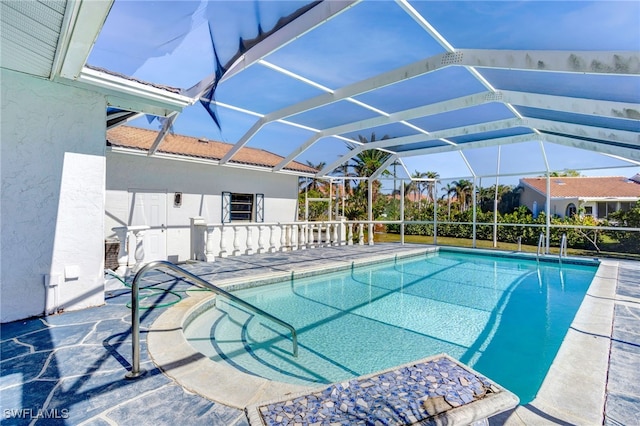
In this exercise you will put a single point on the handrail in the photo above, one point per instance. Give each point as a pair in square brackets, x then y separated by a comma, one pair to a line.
[135, 310]
[540, 245]
[563, 245]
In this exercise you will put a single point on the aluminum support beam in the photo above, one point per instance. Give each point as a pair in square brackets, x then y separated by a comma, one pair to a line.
[316, 16]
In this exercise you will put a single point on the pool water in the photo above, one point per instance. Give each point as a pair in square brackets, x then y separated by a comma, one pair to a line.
[504, 317]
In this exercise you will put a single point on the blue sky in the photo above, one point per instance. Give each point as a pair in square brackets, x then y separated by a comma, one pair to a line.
[169, 43]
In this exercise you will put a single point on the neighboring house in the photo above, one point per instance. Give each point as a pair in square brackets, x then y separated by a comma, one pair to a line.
[183, 181]
[590, 196]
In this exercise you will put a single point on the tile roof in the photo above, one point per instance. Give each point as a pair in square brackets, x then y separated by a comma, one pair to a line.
[586, 187]
[137, 138]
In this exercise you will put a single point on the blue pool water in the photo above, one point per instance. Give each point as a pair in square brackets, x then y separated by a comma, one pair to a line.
[504, 317]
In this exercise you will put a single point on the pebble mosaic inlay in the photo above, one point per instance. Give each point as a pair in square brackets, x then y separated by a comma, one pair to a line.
[407, 395]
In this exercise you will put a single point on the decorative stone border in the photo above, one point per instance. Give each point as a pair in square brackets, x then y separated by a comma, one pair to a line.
[437, 389]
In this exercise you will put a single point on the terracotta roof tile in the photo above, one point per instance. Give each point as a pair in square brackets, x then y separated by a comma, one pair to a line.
[586, 187]
[137, 138]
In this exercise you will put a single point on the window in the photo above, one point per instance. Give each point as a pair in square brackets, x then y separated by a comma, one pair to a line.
[571, 210]
[242, 207]
[588, 210]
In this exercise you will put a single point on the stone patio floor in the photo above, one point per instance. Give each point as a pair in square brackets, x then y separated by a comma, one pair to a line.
[69, 368]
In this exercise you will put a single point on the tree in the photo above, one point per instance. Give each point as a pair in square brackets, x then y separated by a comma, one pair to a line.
[566, 173]
[315, 184]
[367, 162]
[431, 185]
[449, 190]
[463, 191]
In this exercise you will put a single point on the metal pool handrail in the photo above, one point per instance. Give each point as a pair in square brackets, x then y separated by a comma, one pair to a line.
[563, 247]
[135, 310]
[540, 244]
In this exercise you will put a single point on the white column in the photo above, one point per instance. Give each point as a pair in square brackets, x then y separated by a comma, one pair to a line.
[139, 255]
[272, 239]
[223, 243]
[319, 240]
[294, 237]
[361, 234]
[336, 242]
[328, 235]
[303, 237]
[261, 248]
[236, 241]
[283, 237]
[209, 244]
[123, 254]
[310, 239]
[249, 249]
[350, 235]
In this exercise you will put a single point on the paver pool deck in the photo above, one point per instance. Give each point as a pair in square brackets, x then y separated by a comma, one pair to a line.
[69, 368]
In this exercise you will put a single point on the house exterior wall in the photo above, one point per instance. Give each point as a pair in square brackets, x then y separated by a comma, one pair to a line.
[53, 177]
[528, 196]
[201, 186]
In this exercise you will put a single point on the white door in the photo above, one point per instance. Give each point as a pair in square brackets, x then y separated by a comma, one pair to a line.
[147, 207]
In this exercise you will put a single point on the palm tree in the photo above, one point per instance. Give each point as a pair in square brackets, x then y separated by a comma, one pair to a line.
[418, 186]
[315, 184]
[463, 190]
[430, 185]
[367, 162]
[449, 190]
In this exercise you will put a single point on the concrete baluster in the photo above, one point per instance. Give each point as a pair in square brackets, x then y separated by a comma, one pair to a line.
[294, 237]
[303, 237]
[310, 239]
[209, 244]
[139, 247]
[272, 239]
[361, 234]
[236, 241]
[261, 248]
[250, 249]
[283, 237]
[328, 235]
[123, 253]
[223, 243]
[350, 235]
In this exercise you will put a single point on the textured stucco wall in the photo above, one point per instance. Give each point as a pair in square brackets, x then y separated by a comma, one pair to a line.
[53, 179]
[201, 185]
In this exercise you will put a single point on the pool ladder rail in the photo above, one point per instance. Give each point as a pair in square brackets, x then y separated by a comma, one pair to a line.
[135, 310]
[563, 247]
[541, 244]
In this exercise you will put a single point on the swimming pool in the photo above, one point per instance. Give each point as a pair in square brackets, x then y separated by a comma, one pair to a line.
[504, 317]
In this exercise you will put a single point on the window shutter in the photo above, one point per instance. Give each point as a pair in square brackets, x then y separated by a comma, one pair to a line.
[259, 207]
[226, 207]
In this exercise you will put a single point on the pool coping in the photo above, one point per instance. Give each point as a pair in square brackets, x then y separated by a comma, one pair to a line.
[570, 392]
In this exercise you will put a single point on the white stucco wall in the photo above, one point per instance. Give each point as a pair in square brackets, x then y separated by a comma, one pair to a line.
[52, 200]
[201, 186]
